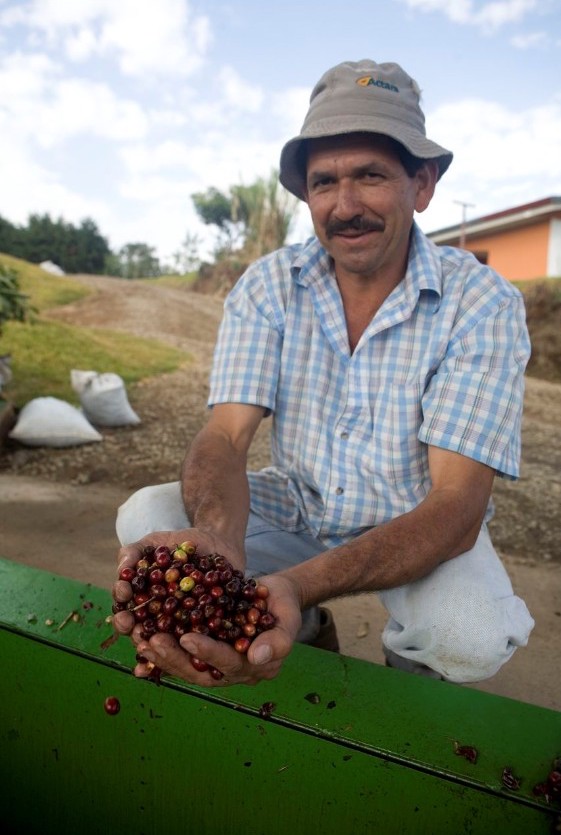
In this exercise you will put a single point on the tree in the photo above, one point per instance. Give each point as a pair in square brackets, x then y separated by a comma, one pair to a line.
[251, 220]
[91, 248]
[76, 249]
[268, 210]
[187, 258]
[217, 209]
[10, 238]
[137, 260]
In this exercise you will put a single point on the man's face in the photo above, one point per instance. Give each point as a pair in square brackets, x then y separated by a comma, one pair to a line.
[362, 201]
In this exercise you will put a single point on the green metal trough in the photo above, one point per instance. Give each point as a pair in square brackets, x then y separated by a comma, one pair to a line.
[349, 747]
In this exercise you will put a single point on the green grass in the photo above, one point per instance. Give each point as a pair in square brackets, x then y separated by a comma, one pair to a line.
[44, 290]
[44, 352]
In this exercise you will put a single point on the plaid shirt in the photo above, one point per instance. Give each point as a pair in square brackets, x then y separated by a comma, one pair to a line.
[441, 363]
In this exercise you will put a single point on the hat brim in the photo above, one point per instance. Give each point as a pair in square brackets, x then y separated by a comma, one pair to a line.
[292, 175]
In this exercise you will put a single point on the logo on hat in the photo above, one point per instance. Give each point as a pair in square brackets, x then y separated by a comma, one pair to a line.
[367, 81]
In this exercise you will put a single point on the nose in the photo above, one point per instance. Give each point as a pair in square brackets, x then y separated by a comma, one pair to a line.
[348, 202]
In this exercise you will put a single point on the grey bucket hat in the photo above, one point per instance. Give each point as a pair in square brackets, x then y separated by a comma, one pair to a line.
[358, 97]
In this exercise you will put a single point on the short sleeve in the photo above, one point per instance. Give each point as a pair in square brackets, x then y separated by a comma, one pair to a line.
[473, 404]
[248, 349]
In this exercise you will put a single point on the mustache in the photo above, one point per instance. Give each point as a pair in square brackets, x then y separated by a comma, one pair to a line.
[355, 224]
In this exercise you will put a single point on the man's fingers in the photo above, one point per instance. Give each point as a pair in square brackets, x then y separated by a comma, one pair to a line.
[216, 653]
[164, 651]
[129, 555]
[235, 666]
[122, 591]
[123, 622]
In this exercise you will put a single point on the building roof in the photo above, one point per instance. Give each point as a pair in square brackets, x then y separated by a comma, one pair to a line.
[500, 221]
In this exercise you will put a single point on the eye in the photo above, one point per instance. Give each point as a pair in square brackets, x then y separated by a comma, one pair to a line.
[372, 175]
[320, 182]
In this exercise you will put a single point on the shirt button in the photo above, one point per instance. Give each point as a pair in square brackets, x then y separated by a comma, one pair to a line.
[344, 435]
[339, 491]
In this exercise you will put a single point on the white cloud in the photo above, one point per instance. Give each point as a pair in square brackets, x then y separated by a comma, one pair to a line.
[489, 16]
[25, 76]
[145, 37]
[81, 44]
[530, 40]
[154, 171]
[494, 143]
[85, 107]
[238, 93]
[502, 158]
[35, 102]
[21, 176]
[289, 109]
[142, 159]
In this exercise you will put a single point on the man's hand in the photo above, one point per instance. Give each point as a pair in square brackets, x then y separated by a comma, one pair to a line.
[129, 555]
[263, 660]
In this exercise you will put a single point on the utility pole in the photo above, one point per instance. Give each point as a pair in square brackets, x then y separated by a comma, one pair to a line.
[464, 206]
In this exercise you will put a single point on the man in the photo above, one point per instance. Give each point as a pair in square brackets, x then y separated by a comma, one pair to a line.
[393, 371]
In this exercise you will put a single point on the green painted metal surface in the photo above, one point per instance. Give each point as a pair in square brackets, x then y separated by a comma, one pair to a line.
[372, 751]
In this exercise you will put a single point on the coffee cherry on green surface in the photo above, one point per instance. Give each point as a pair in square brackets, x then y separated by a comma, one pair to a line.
[266, 709]
[112, 705]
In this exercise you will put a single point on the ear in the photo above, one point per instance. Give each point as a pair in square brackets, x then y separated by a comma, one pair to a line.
[427, 177]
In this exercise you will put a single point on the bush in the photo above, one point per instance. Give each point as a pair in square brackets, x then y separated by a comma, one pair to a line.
[14, 305]
[543, 314]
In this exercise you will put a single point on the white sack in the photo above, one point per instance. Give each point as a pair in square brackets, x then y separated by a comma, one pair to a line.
[158, 507]
[51, 268]
[47, 421]
[103, 398]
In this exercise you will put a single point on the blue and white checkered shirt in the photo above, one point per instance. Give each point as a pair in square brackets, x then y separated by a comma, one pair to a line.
[441, 363]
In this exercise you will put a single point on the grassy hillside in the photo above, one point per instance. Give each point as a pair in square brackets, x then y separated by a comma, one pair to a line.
[44, 352]
[44, 290]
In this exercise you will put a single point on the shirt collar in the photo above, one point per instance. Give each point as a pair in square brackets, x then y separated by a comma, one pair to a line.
[311, 263]
[424, 268]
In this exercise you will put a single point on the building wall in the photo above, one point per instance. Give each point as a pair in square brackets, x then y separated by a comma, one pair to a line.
[517, 254]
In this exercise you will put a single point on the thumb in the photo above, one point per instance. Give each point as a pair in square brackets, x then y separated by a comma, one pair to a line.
[273, 644]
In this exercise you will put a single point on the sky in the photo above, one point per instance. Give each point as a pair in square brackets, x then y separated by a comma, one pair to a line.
[120, 110]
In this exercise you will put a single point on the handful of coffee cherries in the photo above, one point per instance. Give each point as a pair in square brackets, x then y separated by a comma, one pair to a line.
[178, 591]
